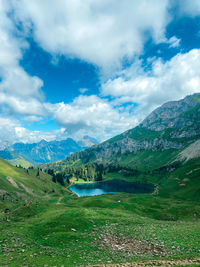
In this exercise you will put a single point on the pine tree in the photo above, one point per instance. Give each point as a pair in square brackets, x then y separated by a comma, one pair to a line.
[38, 173]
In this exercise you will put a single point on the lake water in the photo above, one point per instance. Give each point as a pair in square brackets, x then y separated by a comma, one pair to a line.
[111, 186]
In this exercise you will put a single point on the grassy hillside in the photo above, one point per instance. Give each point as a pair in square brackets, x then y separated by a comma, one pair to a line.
[87, 231]
[18, 185]
[15, 159]
[52, 226]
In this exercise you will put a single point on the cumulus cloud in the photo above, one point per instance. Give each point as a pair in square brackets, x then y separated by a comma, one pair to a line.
[174, 42]
[26, 136]
[11, 130]
[93, 115]
[102, 32]
[19, 91]
[83, 90]
[166, 81]
[188, 7]
[7, 129]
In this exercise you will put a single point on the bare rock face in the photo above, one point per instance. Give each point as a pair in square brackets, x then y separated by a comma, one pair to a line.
[192, 151]
[128, 145]
[171, 114]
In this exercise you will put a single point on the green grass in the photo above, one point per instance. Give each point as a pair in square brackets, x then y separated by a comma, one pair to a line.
[37, 187]
[20, 161]
[147, 159]
[15, 159]
[42, 232]
[138, 133]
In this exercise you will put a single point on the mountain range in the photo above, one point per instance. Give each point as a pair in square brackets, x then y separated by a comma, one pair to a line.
[43, 151]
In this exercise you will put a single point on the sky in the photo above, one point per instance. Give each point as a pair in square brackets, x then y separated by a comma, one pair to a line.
[70, 68]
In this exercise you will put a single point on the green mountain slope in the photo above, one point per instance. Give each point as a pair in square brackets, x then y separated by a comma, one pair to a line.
[155, 151]
[15, 159]
[18, 185]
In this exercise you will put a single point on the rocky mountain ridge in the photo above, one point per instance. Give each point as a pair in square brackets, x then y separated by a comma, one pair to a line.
[174, 125]
[170, 114]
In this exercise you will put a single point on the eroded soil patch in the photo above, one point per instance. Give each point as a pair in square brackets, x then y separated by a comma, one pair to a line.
[130, 246]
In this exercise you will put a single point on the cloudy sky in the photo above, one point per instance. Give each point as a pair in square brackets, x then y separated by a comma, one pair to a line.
[95, 67]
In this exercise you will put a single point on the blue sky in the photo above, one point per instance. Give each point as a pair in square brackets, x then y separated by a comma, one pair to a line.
[75, 68]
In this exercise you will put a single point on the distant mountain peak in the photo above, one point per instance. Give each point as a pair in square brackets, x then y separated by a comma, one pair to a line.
[43, 141]
[87, 141]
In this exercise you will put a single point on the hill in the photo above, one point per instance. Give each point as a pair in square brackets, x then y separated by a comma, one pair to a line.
[19, 185]
[15, 159]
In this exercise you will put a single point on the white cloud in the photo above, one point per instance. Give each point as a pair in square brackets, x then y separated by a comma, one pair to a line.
[91, 115]
[166, 81]
[188, 7]
[11, 130]
[174, 42]
[27, 136]
[83, 90]
[22, 106]
[102, 32]
[7, 129]
[19, 91]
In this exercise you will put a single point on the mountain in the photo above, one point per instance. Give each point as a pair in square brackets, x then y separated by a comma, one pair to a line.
[87, 141]
[174, 125]
[42, 152]
[4, 145]
[167, 141]
[46, 151]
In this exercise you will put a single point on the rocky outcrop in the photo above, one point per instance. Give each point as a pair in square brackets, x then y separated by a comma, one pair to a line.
[128, 145]
[171, 114]
[191, 152]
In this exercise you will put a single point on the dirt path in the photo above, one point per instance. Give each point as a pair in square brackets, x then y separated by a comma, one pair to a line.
[163, 263]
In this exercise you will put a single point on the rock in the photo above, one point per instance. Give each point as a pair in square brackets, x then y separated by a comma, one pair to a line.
[73, 230]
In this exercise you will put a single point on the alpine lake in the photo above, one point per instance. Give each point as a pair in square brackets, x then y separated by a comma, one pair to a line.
[111, 187]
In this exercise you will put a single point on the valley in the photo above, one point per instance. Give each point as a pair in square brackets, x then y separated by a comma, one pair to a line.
[43, 223]
[99, 133]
